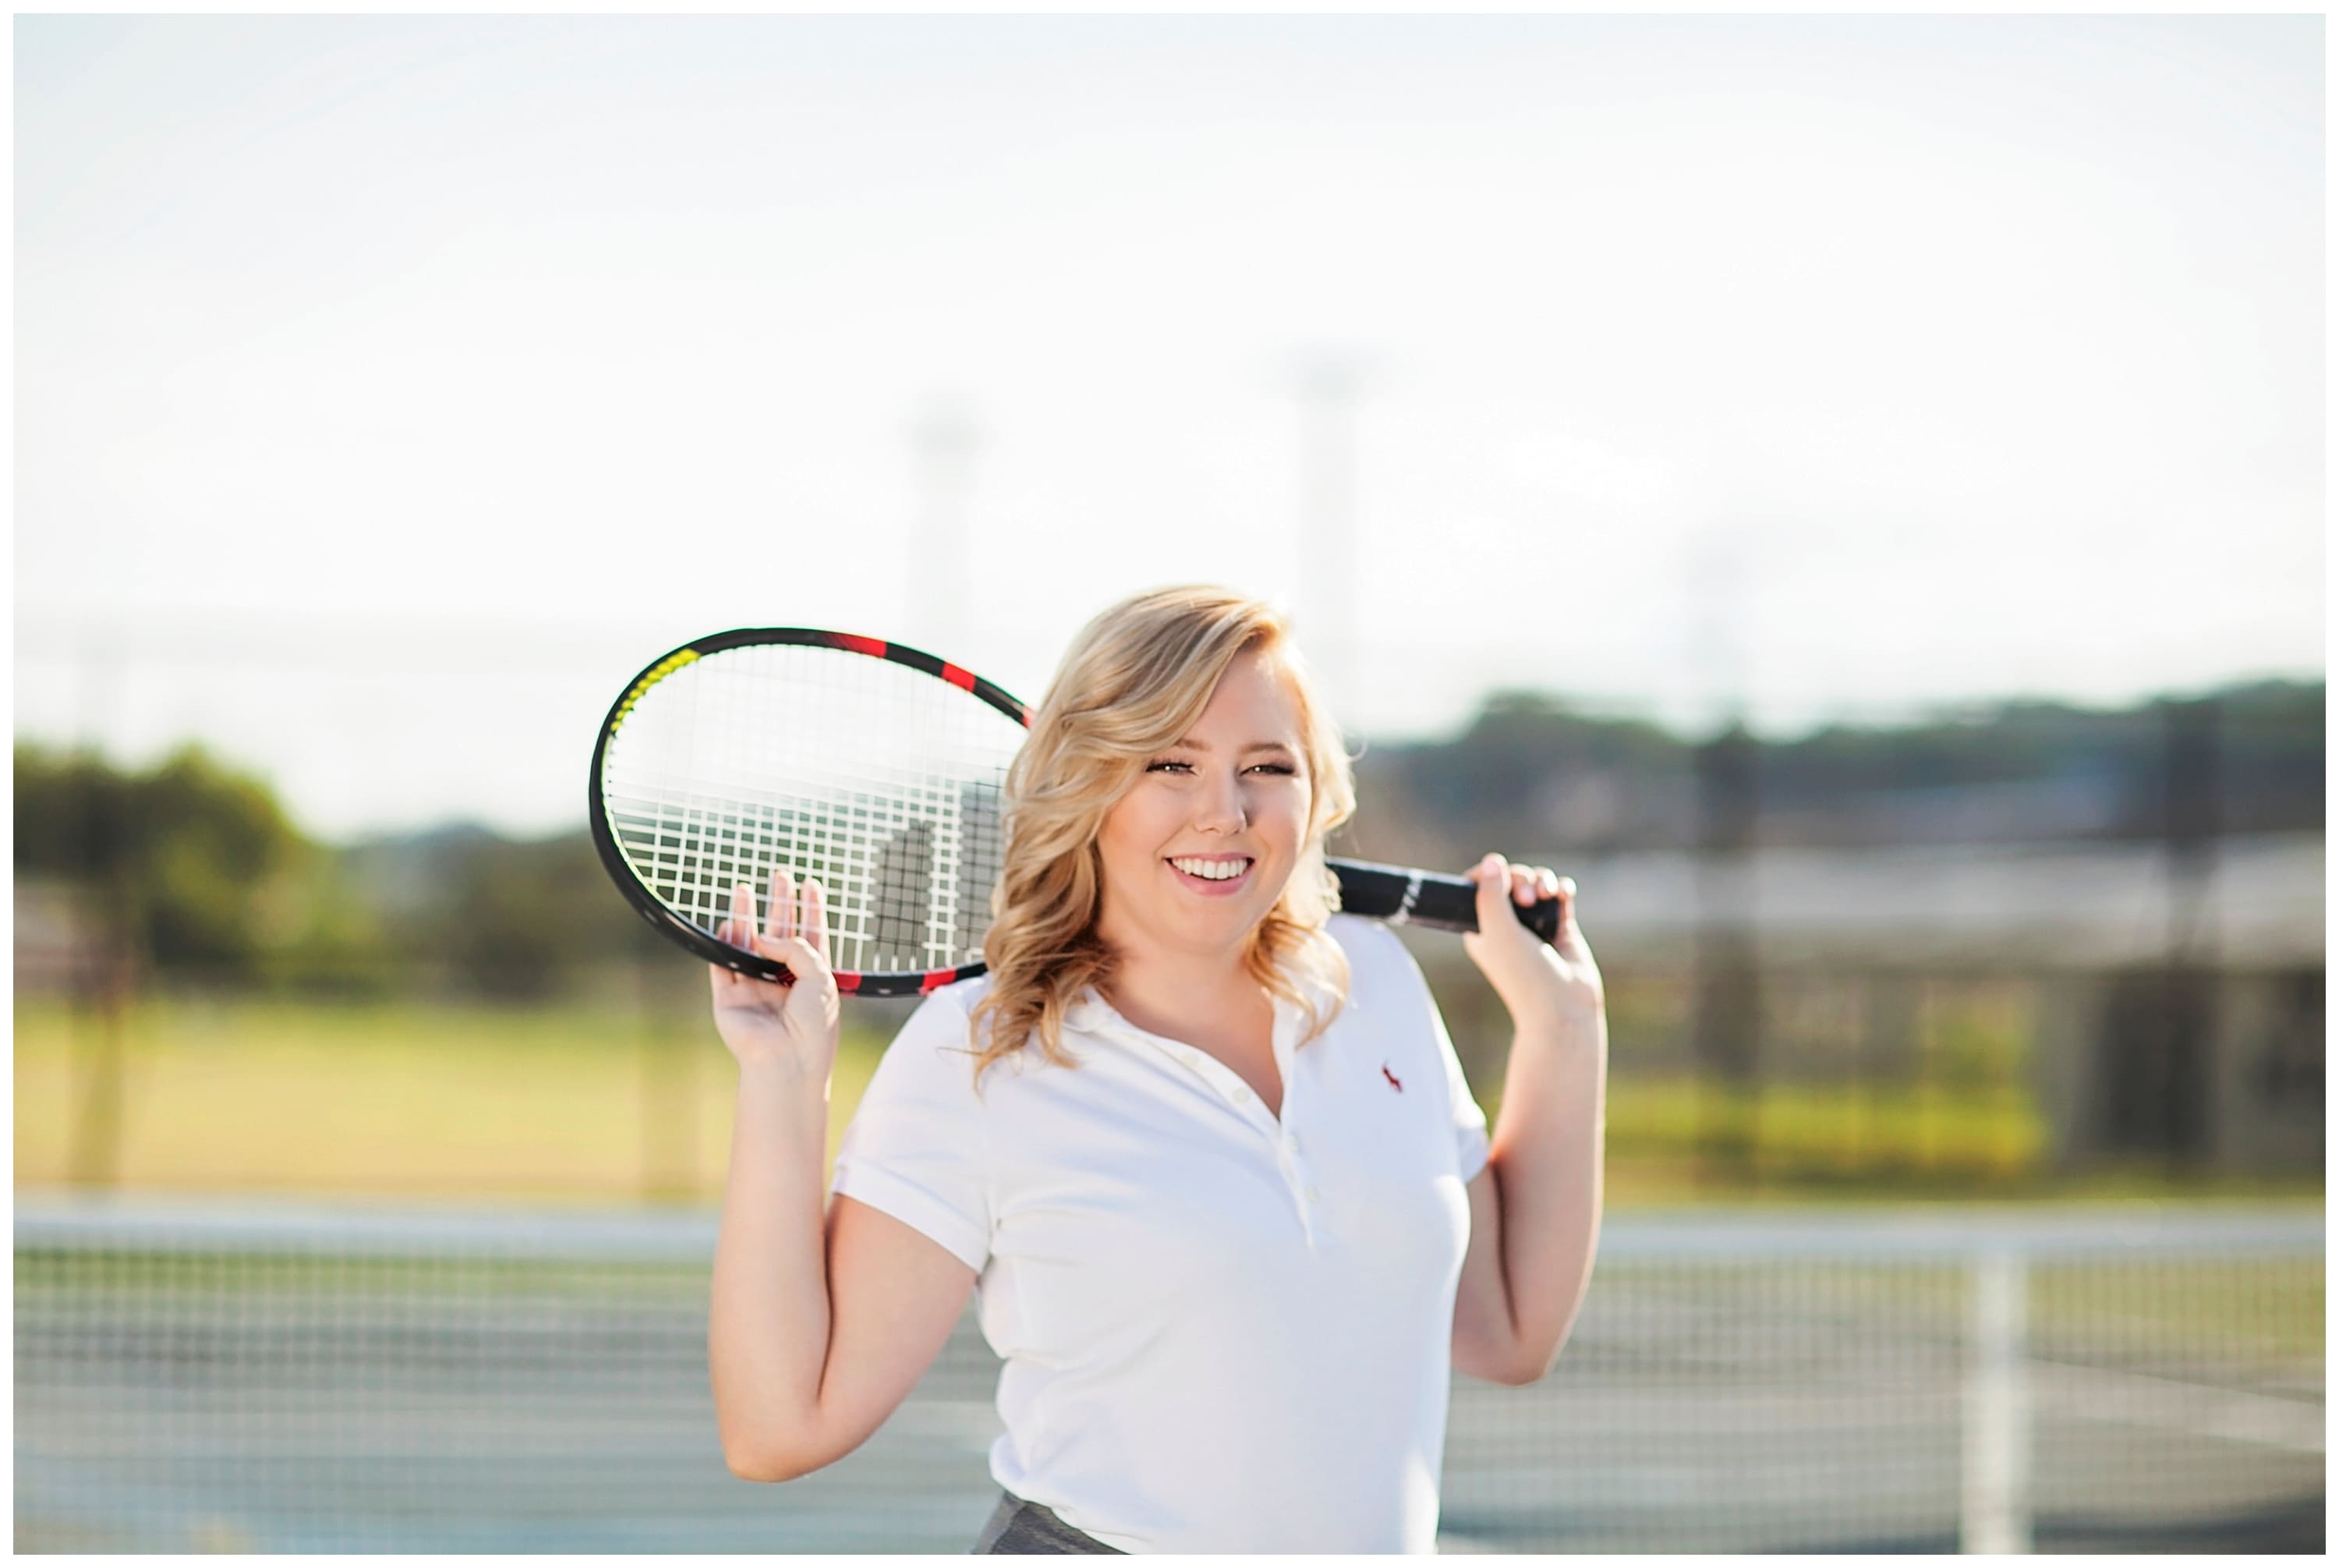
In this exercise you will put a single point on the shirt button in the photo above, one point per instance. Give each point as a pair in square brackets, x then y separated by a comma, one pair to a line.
[1291, 1141]
[1314, 1195]
[1242, 1095]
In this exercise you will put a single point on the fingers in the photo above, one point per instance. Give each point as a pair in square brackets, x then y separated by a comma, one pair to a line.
[811, 917]
[1533, 883]
[796, 954]
[1527, 885]
[794, 931]
[780, 911]
[740, 931]
[797, 912]
[1523, 885]
[1551, 884]
[733, 930]
[1493, 875]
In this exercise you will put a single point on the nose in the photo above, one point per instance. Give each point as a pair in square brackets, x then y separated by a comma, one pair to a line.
[1221, 808]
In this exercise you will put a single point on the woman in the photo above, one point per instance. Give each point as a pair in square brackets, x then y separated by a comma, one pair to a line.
[1204, 1145]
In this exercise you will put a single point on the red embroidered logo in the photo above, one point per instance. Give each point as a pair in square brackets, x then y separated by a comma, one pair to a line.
[1392, 1078]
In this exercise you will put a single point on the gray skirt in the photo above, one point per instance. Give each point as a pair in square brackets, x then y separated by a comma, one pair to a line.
[1027, 1527]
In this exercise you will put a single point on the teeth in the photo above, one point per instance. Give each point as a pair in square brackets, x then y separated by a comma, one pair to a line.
[1213, 870]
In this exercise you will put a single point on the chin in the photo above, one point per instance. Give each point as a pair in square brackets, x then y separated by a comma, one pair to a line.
[1236, 924]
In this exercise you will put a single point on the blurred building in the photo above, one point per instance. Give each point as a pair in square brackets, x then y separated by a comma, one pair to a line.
[2080, 928]
[55, 944]
[2116, 917]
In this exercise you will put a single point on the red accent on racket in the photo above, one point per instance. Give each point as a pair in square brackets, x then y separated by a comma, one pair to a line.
[861, 762]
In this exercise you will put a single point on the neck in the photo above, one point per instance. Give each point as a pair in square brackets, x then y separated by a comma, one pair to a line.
[1154, 987]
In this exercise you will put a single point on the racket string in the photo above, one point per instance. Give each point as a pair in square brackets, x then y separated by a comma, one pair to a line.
[879, 779]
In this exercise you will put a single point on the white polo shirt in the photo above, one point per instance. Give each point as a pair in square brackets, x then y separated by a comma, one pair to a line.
[1222, 1331]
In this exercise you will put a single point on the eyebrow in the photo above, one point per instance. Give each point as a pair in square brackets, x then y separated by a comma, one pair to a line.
[1192, 744]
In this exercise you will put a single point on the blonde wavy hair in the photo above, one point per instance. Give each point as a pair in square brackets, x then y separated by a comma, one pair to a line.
[1133, 683]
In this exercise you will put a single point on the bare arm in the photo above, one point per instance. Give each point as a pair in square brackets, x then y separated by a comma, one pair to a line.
[812, 1339]
[1535, 1210]
[1545, 1173]
[811, 1353]
[1485, 1340]
[767, 1331]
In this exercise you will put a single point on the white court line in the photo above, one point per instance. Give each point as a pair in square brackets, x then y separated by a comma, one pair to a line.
[2137, 1399]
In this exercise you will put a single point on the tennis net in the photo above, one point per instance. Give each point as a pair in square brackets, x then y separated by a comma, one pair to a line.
[275, 1378]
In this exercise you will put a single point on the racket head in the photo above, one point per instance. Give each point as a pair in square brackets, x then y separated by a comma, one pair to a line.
[878, 768]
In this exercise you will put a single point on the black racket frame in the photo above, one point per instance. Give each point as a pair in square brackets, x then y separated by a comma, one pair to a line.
[1400, 895]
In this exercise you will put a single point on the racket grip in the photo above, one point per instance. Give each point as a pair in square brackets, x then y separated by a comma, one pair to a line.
[1403, 896]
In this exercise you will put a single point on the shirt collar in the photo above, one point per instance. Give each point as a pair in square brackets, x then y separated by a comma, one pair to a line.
[1089, 1013]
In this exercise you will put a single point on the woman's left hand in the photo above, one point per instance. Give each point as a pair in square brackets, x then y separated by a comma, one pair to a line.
[1555, 984]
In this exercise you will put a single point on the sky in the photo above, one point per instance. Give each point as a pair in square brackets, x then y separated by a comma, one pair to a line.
[389, 391]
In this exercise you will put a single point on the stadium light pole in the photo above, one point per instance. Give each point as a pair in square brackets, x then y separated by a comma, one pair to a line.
[102, 982]
[1716, 578]
[944, 441]
[2181, 1061]
[1329, 539]
[1726, 982]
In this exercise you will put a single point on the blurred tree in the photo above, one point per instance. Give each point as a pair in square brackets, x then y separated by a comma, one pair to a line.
[177, 860]
[469, 911]
[520, 914]
[197, 865]
[322, 937]
[1533, 774]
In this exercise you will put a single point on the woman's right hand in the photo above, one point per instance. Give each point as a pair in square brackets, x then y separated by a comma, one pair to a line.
[791, 1023]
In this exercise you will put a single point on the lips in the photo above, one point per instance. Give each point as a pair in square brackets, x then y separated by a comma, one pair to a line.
[1219, 885]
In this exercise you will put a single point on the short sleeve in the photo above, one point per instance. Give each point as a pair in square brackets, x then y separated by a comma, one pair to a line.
[1404, 976]
[917, 1148]
[1469, 1122]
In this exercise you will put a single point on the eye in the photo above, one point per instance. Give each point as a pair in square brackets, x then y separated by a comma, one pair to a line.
[1166, 764]
[1284, 769]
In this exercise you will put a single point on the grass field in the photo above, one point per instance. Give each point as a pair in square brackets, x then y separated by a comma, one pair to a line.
[573, 1103]
[596, 1105]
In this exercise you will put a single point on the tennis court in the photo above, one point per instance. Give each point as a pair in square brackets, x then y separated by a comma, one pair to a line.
[286, 1378]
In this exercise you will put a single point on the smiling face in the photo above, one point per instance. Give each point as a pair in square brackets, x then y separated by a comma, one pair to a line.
[1199, 850]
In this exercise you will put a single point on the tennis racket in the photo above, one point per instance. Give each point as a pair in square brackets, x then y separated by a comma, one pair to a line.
[878, 769]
